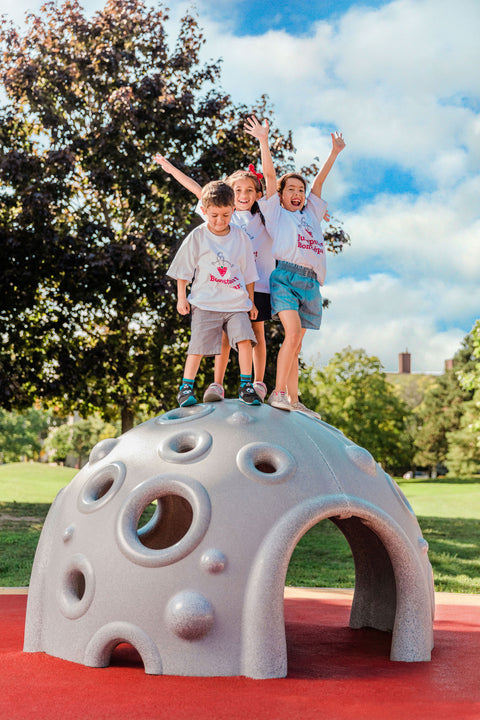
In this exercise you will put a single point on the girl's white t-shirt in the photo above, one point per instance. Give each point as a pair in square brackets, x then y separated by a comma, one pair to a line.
[253, 226]
[220, 266]
[297, 236]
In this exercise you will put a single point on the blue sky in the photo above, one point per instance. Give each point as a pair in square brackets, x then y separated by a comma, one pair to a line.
[400, 79]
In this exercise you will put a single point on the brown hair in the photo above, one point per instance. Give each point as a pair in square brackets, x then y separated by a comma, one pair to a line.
[288, 176]
[218, 194]
[239, 174]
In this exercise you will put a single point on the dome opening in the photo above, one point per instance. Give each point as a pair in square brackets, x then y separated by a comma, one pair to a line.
[76, 584]
[101, 488]
[126, 655]
[171, 517]
[265, 466]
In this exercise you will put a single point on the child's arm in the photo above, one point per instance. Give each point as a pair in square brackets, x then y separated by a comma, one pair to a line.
[253, 312]
[183, 179]
[259, 131]
[183, 306]
[338, 144]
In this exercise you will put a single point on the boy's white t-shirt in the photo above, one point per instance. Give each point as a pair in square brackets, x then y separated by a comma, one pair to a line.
[253, 226]
[221, 266]
[297, 236]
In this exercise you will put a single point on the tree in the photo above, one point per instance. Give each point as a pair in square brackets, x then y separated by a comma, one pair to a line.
[463, 456]
[88, 224]
[21, 434]
[439, 414]
[352, 393]
[77, 438]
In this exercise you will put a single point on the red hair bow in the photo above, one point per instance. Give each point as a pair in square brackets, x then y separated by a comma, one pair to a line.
[251, 168]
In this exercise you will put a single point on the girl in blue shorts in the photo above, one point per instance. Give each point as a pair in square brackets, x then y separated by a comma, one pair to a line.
[293, 221]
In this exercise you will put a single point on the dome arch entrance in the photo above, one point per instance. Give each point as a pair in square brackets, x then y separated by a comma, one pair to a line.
[392, 589]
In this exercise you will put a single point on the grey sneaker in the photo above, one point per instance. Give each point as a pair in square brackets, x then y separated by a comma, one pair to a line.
[279, 400]
[260, 389]
[213, 393]
[300, 407]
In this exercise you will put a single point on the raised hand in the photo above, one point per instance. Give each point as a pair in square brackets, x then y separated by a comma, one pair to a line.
[338, 143]
[166, 164]
[255, 128]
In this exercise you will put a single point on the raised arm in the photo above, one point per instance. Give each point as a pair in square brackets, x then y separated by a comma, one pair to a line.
[254, 128]
[183, 179]
[338, 144]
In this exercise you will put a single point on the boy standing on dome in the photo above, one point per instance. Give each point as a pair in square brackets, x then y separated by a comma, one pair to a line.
[217, 259]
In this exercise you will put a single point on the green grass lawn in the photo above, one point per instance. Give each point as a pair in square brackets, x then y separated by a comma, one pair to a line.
[32, 482]
[448, 512]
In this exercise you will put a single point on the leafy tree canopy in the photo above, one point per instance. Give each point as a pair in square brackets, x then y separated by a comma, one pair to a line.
[352, 393]
[88, 224]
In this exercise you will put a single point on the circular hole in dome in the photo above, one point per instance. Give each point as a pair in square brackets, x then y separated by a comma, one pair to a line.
[185, 446]
[77, 584]
[163, 519]
[266, 462]
[184, 414]
[77, 587]
[101, 487]
[265, 466]
[170, 519]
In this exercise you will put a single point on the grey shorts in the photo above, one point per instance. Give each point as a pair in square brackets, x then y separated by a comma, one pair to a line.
[208, 326]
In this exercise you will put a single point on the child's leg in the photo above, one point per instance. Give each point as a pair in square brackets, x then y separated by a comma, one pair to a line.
[185, 395]
[292, 380]
[245, 357]
[192, 364]
[287, 360]
[221, 361]
[259, 351]
[247, 392]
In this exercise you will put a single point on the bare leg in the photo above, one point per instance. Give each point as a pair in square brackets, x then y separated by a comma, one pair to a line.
[245, 357]
[192, 364]
[292, 380]
[221, 361]
[259, 351]
[288, 353]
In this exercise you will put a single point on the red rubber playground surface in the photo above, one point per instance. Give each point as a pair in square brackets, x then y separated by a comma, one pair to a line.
[334, 673]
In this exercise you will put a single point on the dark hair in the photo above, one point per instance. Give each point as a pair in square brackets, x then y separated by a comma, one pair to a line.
[288, 176]
[217, 193]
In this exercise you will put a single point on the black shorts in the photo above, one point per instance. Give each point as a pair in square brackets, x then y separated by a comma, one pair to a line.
[262, 303]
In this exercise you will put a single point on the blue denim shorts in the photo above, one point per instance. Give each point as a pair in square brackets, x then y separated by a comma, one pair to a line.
[293, 287]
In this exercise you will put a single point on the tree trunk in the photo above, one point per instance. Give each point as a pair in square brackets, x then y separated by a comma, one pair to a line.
[127, 419]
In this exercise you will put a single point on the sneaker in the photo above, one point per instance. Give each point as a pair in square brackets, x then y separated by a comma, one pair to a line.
[186, 396]
[213, 393]
[279, 400]
[248, 395]
[261, 390]
[300, 407]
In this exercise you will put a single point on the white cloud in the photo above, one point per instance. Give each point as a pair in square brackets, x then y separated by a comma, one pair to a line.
[384, 317]
[429, 236]
[392, 79]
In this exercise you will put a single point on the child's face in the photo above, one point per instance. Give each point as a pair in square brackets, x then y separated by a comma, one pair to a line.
[218, 219]
[245, 193]
[292, 196]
